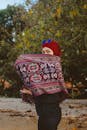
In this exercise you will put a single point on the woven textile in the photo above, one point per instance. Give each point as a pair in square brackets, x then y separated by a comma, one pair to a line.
[41, 73]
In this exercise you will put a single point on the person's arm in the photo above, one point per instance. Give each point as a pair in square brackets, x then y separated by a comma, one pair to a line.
[26, 91]
[26, 95]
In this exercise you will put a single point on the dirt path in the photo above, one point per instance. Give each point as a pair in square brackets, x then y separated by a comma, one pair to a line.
[16, 121]
[16, 115]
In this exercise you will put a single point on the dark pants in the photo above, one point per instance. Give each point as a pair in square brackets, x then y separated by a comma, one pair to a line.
[49, 112]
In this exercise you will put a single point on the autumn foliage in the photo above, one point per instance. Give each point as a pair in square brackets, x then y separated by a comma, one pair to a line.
[23, 27]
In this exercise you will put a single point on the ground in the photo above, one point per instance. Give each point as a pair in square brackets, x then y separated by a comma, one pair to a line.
[16, 115]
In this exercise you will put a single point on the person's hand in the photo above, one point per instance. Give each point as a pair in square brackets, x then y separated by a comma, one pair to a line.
[26, 91]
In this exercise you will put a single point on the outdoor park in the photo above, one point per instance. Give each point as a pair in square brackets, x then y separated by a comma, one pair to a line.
[22, 29]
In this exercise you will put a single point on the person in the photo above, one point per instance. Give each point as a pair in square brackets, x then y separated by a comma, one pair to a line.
[48, 105]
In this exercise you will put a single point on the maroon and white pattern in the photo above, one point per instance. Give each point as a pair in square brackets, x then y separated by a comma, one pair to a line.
[41, 73]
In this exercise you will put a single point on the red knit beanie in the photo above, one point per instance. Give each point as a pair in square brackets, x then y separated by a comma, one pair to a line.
[53, 45]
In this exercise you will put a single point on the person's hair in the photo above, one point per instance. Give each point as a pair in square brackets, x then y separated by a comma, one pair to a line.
[53, 45]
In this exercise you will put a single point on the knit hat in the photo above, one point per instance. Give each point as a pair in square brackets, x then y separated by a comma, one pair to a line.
[53, 45]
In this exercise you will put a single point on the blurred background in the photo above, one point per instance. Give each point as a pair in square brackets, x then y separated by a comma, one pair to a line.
[23, 26]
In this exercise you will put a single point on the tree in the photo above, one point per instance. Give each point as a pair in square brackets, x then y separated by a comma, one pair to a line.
[65, 22]
[61, 20]
[11, 23]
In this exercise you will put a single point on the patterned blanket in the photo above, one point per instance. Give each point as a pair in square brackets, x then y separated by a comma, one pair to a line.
[42, 73]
